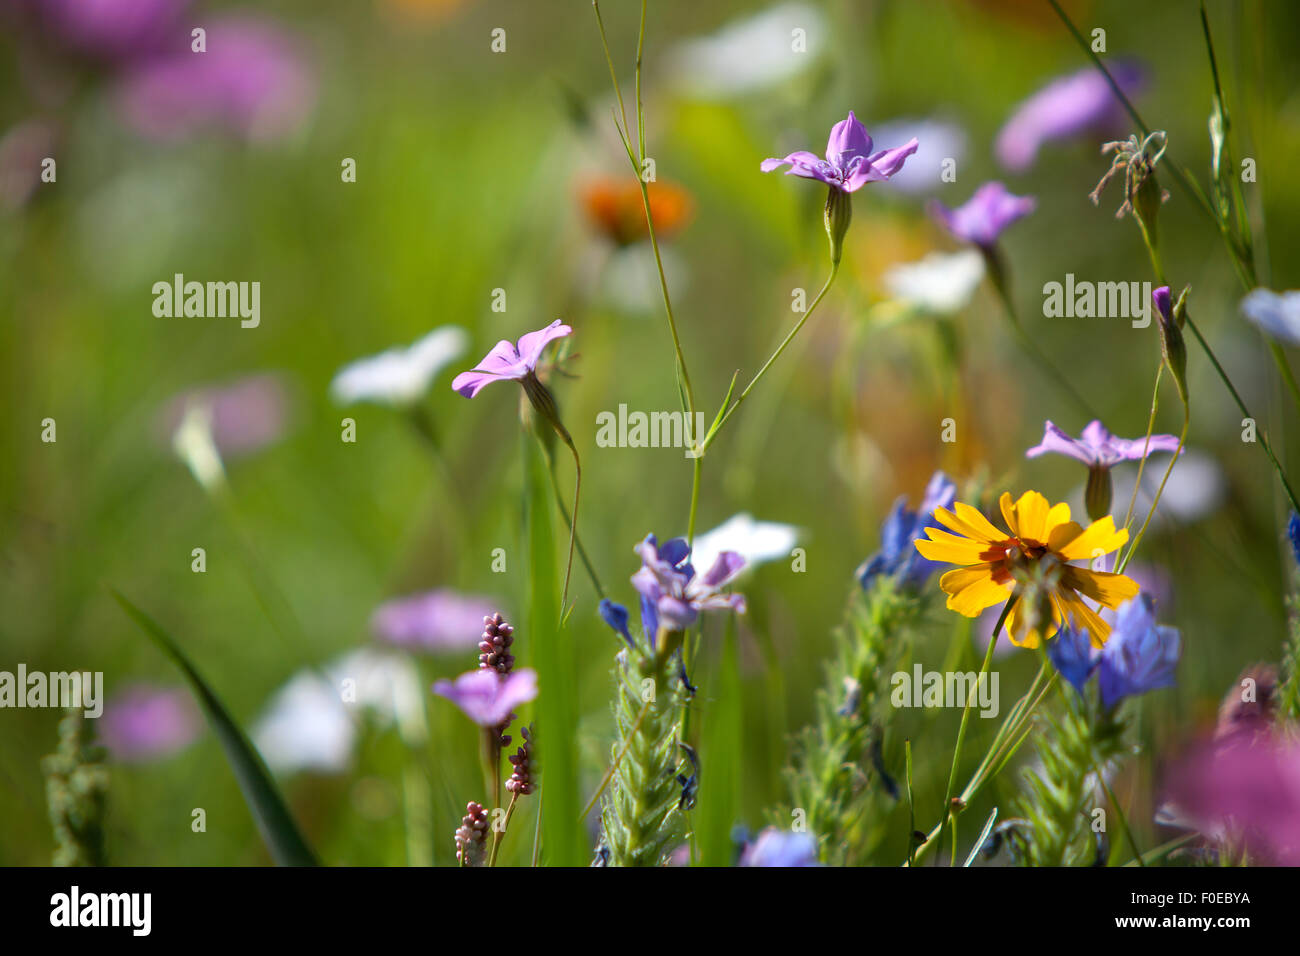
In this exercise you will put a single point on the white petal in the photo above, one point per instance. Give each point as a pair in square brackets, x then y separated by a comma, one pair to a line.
[758, 542]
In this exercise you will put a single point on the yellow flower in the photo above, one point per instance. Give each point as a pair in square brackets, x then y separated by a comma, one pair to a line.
[1032, 561]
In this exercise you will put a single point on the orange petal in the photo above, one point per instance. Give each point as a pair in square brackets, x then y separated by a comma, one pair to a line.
[971, 590]
[950, 548]
[970, 522]
[1104, 587]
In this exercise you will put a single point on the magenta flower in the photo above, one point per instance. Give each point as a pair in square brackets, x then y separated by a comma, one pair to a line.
[507, 362]
[104, 29]
[849, 164]
[1098, 448]
[486, 697]
[246, 416]
[1244, 786]
[1073, 104]
[252, 81]
[143, 722]
[432, 621]
[983, 217]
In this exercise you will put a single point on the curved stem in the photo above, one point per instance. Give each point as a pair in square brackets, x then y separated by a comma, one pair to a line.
[1151, 512]
[713, 432]
[1151, 427]
[577, 538]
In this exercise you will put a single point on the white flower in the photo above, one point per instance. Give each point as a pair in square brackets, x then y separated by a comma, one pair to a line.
[312, 721]
[751, 54]
[756, 541]
[399, 376]
[940, 283]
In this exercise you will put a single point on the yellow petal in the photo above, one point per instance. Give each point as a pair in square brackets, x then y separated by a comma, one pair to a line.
[1019, 631]
[970, 522]
[1084, 618]
[971, 590]
[950, 548]
[1097, 539]
[1062, 535]
[1031, 513]
[1104, 587]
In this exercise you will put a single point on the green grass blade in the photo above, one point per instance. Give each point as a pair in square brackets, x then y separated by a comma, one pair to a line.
[273, 819]
[721, 770]
[563, 841]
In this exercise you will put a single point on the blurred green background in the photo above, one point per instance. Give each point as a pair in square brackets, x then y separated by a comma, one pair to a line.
[471, 167]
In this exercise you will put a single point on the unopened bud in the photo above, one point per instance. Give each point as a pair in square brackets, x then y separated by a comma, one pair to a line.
[839, 213]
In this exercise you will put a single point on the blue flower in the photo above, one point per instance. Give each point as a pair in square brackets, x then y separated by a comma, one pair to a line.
[1293, 532]
[897, 555]
[1140, 655]
[781, 848]
[1277, 314]
[1072, 654]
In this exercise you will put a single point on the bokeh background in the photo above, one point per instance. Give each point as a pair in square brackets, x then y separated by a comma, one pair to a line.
[479, 171]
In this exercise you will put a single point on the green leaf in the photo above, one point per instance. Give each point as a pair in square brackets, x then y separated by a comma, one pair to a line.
[563, 841]
[984, 835]
[274, 822]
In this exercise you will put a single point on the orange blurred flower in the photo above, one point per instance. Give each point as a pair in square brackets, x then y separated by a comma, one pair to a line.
[615, 207]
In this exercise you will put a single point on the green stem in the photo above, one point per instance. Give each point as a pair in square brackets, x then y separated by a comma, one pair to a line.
[1182, 439]
[497, 836]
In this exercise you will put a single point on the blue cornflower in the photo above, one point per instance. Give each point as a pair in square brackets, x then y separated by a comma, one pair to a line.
[1072, 654]
[1293, 532]
[897, 555]
[1140, 655]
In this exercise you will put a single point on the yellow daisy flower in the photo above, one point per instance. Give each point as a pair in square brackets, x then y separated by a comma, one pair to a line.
[1033, 559]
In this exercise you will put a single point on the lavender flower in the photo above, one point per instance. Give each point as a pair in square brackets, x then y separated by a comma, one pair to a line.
[105, 29]
[982, 218]
[143, 722]
[1276, 313]
[245, 416]
[1098, 448]
[486, 697]
[1100, 451]
[252, 82]
[781, 848]
[672, 594]
[897, 556]
[508, 362]
[1074, 104]
[849, 164]
[432, 621]
[1073, 655]
[1140, 656]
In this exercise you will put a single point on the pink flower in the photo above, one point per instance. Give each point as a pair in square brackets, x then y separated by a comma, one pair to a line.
[508, 362]
[143, 722]
[434, 620]
[486, 697]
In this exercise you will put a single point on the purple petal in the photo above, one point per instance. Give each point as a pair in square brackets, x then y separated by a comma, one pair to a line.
[1057, 441]
[432, 621]
[532, 344]
[470, 384]
[848, 140]
[727, 566]
[881, 166]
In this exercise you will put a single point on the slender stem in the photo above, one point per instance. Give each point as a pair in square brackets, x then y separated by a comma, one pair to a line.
[1182, 439]
[497, 836]
[1279, 359]
[695, 500]
[564, 512]
[713, 432]
[491, 753]
[1263, 437]
[1151, 427]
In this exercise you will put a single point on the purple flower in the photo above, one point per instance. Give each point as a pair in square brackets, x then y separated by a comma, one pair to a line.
[1098, 448]
[1068, 106]
[105, 29]
[432, 621]
[672, 594]
[508, 362]
[143, 722]
[1140, 656]
[1073, 655]
[849, 164]
[252, 81]
[897, 555]
[245, 416]
[781, 848]
[1247, 786]
[983, 217]
[1276, 313]
[486, 697]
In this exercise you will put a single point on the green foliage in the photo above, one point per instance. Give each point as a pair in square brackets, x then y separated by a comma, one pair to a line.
[830, 777]
[76, 788]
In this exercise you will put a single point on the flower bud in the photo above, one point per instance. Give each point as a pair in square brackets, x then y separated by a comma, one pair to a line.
[839, 213]
[1097, 495]
[1172, 346]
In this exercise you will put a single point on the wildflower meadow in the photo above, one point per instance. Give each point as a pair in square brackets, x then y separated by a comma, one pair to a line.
[494, 434]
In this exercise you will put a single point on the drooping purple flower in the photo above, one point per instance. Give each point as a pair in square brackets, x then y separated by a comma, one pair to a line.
[1247, 786]
[982, 218]
[897, 555]
[781, 848]
[672, 594]
[432, 621]
[509, 362]
[103, 30]
[850, 163]
[1073, 655]
[1066, 107]
[252, 81]
[143, 722]
[1140, 656]
[1098, 448]
[1276, 313]
[486, 697]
